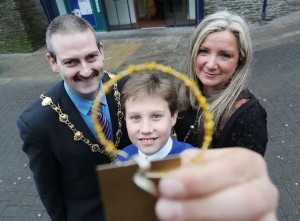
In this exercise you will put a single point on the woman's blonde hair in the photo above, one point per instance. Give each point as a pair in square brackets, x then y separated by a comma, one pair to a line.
[221, 104]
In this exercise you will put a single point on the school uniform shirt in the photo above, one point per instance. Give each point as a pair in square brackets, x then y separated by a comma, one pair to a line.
[172, 147]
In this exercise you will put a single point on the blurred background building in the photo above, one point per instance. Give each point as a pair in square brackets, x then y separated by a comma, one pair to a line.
[23, 23]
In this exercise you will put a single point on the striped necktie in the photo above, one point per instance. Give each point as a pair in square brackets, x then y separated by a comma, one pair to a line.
[104, 123]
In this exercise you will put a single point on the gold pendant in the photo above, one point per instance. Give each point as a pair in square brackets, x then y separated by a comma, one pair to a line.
[46, 101]
[78, 136]
[63, 118]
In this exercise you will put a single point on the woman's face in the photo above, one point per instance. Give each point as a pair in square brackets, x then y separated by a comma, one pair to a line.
[217, 60]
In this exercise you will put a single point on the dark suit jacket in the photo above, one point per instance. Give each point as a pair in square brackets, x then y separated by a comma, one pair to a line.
[64, 169]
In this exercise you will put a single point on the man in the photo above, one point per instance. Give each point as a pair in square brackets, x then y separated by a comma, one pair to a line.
[59, 136]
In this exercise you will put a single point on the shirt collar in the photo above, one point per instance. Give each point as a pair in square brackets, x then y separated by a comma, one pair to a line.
[162, 153]
[83, 105]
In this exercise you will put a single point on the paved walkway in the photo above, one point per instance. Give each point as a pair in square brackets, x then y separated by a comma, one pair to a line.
[276, 80]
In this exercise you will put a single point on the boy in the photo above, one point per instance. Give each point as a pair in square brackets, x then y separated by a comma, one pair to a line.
[150, 104]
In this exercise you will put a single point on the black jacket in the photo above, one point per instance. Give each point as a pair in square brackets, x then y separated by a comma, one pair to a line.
[64, 169]
[247, 127]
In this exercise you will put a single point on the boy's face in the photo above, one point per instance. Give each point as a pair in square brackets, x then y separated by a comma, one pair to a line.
[149, 122]
[78, 61]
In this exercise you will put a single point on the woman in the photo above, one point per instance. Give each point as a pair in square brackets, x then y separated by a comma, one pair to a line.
[219, 57]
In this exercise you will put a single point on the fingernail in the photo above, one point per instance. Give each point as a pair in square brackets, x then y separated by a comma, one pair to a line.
[171, 187]
[169, 210]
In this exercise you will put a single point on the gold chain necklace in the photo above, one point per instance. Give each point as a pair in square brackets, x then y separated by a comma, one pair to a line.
[78, 135]
[193, 127]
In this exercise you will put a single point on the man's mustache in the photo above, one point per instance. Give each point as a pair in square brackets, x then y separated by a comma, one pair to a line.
[79, 77]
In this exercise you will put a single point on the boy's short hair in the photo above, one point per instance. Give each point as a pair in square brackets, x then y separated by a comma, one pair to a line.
[145, 84]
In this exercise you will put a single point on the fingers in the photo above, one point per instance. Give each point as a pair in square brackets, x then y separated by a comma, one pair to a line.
[229, 184]
[217, 171]
[249, 202]
[271, 216]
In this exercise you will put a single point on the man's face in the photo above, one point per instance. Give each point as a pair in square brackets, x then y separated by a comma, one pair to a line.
[79, 61]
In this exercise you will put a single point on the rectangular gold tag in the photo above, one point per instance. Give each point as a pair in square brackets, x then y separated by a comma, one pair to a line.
[123, 199]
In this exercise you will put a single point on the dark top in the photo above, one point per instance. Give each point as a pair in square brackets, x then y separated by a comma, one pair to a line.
[64, 169]
[247, 127]
[177, 148]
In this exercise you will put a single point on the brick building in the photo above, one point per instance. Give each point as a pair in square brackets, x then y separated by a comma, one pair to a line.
[22, 26]
[23, 23]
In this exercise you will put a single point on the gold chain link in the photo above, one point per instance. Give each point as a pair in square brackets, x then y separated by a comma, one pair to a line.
[78, 135]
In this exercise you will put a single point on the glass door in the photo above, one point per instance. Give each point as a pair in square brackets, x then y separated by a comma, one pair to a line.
[121, 14]
[151, 13]
[130, 14]
[180, 12]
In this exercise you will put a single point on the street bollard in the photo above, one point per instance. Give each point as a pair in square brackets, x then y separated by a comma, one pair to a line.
[263, 12]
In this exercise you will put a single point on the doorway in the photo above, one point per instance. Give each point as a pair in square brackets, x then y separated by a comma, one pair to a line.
[151, 13]
[131, 14]
[162, 13]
